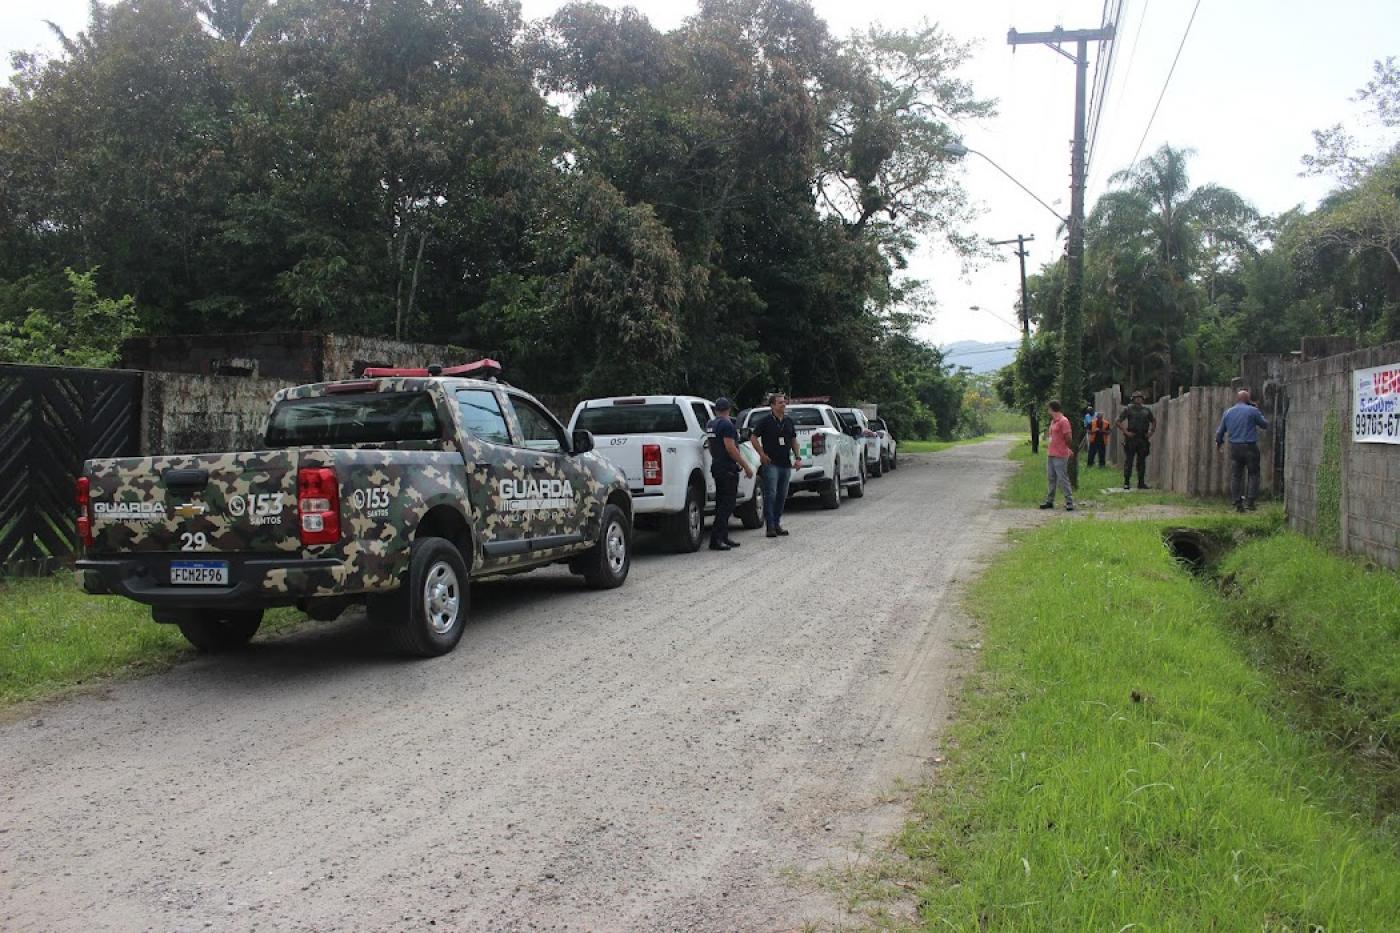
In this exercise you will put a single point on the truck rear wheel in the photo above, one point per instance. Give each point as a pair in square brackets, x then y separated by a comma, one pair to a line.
[426, 616]
[605, 565]
[878, 470]
[225, 631]
[685, 530]
[831, 493]
[857, 489]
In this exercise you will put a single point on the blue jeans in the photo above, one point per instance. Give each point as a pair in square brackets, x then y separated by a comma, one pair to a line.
[775, 489]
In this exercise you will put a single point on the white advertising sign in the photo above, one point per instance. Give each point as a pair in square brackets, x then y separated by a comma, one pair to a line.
[1375, 403]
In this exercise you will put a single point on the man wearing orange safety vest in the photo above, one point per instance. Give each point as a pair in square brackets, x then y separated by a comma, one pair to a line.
[1099, 430]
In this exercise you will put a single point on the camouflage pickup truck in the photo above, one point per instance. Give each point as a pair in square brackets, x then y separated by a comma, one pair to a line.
[393, 490]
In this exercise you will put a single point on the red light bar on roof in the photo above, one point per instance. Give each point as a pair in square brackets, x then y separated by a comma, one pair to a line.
[484, 369]
[481, 369]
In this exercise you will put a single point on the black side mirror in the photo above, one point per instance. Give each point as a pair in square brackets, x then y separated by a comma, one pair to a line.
[745, 435]
[582, 442]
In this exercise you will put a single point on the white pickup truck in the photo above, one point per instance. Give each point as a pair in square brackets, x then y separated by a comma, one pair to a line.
[858, 426]
[660, 442]
[889, 447]
[832, 459]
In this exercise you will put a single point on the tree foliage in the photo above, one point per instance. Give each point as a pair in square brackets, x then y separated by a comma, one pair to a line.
[1180, 281]
[725, 207]
[87, 333]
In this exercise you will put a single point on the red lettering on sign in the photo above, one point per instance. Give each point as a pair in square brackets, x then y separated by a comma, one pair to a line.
[1387, 382]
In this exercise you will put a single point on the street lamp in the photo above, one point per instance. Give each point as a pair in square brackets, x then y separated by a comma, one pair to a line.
[995, 315]
[957, 150]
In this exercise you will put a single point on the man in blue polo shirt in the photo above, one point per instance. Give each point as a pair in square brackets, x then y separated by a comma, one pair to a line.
[1241, 423]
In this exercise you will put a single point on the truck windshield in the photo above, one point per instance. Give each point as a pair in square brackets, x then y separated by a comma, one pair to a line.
[633, 419]
[801, 417]
[343, 420]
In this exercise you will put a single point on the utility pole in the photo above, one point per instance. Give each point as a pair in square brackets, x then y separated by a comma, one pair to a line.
[1072, 326]
[1033, 406]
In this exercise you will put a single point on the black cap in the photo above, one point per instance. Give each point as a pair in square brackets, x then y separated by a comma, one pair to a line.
[723, 404]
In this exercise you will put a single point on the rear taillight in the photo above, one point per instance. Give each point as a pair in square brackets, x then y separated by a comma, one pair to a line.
[651, 464]
[318, 501]
[84, 519]
[818, 444]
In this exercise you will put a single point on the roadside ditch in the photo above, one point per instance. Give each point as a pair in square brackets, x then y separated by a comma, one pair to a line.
[1323, 629]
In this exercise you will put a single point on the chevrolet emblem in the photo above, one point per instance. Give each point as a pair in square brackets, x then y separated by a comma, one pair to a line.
[191, 509]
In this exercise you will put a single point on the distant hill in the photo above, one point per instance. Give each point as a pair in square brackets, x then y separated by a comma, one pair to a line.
[978, 356]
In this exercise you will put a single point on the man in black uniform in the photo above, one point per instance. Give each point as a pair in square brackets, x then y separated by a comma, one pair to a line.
[725, 464]
[775, 437]
[1138, 425]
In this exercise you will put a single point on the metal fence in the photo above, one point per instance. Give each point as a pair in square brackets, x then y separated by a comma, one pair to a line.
[51, 420]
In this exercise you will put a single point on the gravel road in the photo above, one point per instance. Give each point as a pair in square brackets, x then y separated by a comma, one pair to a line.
[676, 754]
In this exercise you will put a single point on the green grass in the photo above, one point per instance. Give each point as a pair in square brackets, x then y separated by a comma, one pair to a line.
[1008, 422]
[54, 637]
[1334, 626]
[1120, 763]
[933, 447]
[1027, 486]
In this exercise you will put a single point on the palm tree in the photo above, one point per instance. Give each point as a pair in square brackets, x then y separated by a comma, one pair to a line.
[232, 20]
[1160, 228]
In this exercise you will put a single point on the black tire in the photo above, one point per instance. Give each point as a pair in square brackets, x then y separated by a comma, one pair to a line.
[894, 460]
[425, 616]
[878, 470]
[226, 631]
[831, 493]
[857, 490]
[686, 529]
[750, 514]
[602, 567]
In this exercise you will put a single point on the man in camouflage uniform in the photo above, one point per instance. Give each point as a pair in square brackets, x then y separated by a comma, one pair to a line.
[1138, 424]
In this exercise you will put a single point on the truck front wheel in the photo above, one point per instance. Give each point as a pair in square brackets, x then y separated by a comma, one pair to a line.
[225, 631]
[831, 493]
[750, 514]
[426, 615]
[605, 565]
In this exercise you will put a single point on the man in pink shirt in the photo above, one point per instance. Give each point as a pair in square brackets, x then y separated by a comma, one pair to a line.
[1057, 459]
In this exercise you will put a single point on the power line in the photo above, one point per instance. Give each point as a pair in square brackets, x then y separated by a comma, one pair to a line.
[961, 353]
[1132, 57]
[1100, 99]
[1165, 84]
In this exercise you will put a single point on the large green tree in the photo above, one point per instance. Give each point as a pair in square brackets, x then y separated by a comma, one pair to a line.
[724, 207]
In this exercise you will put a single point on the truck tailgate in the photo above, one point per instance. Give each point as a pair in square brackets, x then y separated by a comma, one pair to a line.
[195, 502]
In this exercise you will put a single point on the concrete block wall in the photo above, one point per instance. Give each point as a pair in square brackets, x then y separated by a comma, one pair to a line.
[1369, 474]
[294, 357]
[184, 413]
[212, 392]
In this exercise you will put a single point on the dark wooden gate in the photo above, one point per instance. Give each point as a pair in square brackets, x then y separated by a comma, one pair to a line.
[51, 420]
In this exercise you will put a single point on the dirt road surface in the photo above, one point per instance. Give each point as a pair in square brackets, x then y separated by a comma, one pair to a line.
[682, 753]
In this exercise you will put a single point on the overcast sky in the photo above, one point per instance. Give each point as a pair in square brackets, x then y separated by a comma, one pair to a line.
[1255, 77]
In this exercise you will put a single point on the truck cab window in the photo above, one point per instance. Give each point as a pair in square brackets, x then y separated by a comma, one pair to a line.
[539, 431]
[482, 416]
